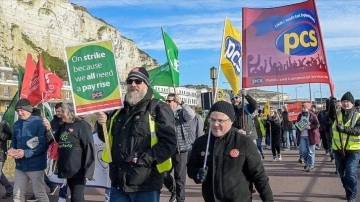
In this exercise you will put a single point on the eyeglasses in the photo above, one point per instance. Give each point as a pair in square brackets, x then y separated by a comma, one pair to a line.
[137, 81]
[220, 121]
[234, 98]
[169, 101]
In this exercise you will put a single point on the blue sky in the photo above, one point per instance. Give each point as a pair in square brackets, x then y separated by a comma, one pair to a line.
[196, 27]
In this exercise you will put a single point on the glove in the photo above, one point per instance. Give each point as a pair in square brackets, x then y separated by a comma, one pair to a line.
[144, 160]
[201, 175]
[340, 128]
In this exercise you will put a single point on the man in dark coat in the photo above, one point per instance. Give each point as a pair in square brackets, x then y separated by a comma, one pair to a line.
[233, 162]
[134, 171]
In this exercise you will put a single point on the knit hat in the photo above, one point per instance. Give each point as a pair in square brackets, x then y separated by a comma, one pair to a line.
[24, 104]
[357, 103]
[224, 107]
[141, 73]
[349, 97]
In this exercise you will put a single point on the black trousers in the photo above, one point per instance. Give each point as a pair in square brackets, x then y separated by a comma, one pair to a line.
[178, 182]
[77, 187]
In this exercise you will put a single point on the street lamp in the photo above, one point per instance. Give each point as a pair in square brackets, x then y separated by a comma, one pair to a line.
[296, 91]
[213, 77]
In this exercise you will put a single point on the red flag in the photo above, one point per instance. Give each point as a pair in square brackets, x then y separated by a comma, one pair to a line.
[53, 84]
[39, 85]
[40, 68]
[293, 110]
[30, 85]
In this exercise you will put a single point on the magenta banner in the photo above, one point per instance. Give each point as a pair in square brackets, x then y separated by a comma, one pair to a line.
[283, 46]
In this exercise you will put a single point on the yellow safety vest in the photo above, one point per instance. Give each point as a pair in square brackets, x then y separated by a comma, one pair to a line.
[161, 167]
[262, 128]
[354, 141]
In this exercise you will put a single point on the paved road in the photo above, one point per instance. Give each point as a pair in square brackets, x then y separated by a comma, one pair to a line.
[289, 182]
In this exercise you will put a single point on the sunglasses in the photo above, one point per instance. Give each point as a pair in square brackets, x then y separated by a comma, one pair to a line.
[137, 81]
[234, 98]
[169, 101]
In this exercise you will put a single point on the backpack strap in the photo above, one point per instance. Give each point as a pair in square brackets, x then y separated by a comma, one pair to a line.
[152, 106]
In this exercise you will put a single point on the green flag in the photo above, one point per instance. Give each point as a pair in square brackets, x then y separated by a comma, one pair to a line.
[172, 57]
[9, 115]
[157, 95]
[45, 110]
[161, 76]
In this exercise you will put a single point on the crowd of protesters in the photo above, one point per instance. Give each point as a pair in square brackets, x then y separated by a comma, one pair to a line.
[154, 144]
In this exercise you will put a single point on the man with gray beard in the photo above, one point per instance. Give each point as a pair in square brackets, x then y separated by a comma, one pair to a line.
[142, 140]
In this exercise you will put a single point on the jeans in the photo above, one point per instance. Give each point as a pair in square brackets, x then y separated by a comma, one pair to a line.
[347, 167]
[287, 135]
[293, 137]
[259, 145]
[117, 195]
[307, 151]
[267, 139]
[77, 188]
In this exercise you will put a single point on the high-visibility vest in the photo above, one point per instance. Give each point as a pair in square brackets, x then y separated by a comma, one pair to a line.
[105, 156]
[262, 127]
[161, 167]
[353, 142]
[166, 165]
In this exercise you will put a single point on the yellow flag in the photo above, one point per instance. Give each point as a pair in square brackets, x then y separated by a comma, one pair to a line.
[222, 95]
[230, 60]
[266, 108]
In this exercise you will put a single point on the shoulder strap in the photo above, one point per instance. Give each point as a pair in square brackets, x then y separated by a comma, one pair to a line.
[353, 120]
[153, 104]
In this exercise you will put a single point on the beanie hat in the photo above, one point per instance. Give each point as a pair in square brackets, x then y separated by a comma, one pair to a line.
[349, 97]
[223, 107]
[357, 103]
[141, 73]
[24, 104]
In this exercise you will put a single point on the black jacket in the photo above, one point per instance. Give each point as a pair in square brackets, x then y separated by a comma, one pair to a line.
[249, 121]
[5, 135]
[229, 176]
[131, 138]
[56, 123]
[76, 150]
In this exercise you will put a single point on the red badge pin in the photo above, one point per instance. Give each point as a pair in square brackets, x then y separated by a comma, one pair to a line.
[234, 153]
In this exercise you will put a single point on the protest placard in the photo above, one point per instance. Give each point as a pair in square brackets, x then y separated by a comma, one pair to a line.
[93, 77]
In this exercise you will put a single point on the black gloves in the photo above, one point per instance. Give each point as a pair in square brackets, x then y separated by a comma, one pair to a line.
[201, 175]
[340, 128]
[142, 160]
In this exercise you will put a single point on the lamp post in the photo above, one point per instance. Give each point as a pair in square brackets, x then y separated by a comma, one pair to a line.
[296, 91]
[213, 77]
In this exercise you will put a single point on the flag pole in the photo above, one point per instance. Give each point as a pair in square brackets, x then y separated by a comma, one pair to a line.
[331, 84]
[214, 96]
